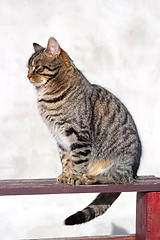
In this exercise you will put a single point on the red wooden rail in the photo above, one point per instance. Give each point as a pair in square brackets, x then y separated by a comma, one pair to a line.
[147, 207]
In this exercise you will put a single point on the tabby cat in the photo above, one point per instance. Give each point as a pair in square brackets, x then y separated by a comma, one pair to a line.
[96, 135]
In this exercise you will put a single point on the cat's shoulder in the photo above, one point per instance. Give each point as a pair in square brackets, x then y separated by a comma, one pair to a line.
[102, 91]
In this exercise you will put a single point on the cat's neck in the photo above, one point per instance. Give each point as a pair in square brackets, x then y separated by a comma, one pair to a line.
[69, 77]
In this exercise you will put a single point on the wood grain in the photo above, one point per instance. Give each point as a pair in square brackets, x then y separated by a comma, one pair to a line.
[50, 186]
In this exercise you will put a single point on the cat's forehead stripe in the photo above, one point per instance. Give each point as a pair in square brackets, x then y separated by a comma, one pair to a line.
[33, 57]
[32, 61]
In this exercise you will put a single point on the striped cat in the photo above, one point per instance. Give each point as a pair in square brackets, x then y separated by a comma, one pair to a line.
[96, 135]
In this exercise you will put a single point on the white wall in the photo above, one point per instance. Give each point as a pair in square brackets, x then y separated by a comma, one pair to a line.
[117, 45]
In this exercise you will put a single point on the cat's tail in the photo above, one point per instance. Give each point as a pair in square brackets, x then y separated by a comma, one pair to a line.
[102, 202]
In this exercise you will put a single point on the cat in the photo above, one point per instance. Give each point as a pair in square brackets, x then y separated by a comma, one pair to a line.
[97, 137]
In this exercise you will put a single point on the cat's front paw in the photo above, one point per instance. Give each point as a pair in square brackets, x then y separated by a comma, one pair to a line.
[75, 180]
[63, 178]
[70, 179]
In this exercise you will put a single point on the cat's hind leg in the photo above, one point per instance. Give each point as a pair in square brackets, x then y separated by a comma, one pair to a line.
[107, 172]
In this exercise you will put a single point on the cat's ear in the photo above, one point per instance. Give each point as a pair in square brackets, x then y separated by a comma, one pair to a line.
[37, 47]
[53, 47]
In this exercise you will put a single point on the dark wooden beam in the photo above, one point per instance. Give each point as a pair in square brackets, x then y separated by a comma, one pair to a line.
[50, 186]
[129, 237]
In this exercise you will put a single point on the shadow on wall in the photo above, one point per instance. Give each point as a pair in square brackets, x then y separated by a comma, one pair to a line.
[118, 230]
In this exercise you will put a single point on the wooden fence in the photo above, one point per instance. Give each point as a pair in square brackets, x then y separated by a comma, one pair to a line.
[147, 205]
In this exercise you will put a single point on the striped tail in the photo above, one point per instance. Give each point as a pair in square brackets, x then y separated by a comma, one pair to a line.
[102, 202]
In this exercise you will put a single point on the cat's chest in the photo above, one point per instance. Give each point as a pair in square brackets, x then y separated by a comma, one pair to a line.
[59, 133]
[61, 139]
[57, 127]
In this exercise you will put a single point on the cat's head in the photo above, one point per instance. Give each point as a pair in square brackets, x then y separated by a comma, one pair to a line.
[44, 63]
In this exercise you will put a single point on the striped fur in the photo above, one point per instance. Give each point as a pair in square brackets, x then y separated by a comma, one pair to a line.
[96, 135]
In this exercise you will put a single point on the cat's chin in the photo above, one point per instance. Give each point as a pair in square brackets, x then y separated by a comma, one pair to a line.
[38, 84]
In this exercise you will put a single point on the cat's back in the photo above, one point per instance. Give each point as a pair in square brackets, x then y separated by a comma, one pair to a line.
[114, 130]
[107, 106]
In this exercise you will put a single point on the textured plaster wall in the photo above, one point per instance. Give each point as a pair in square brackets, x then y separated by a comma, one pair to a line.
[117, 45]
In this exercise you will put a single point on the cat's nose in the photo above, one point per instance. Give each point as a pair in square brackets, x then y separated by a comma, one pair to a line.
[29, 75]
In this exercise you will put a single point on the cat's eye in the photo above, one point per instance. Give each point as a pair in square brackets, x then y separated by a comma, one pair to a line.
[38, 69]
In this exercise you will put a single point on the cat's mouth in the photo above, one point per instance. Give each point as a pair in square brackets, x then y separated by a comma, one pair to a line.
[35, 82]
